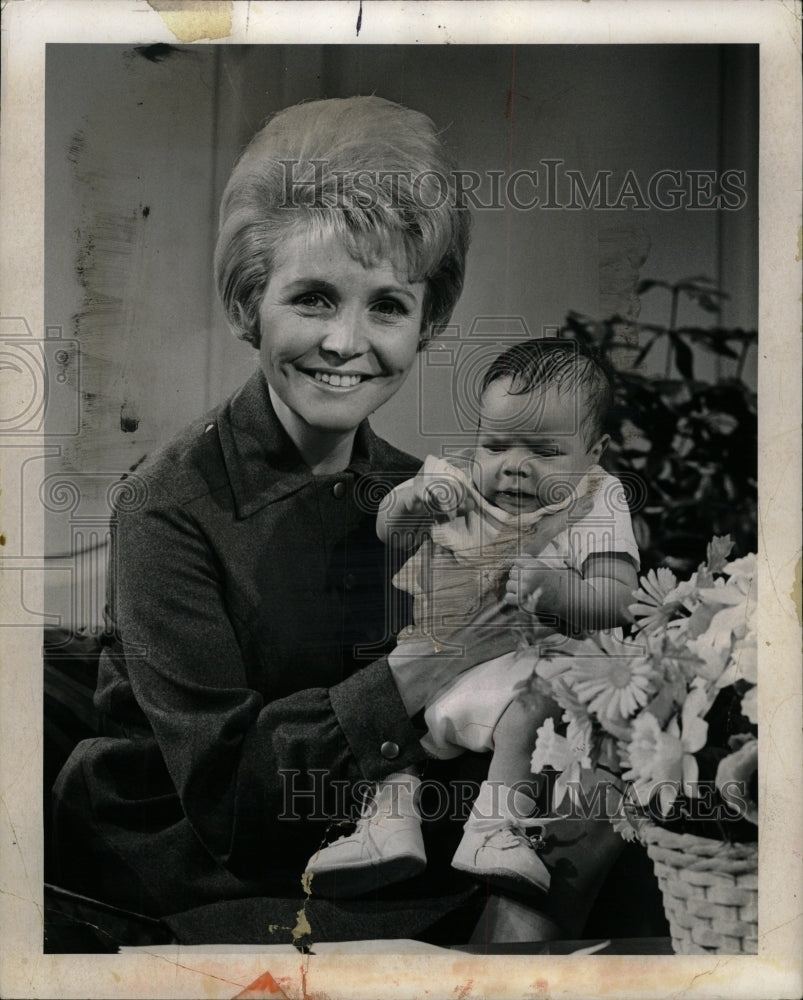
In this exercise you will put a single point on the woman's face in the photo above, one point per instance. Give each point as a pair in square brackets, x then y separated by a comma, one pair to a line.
[338, 338]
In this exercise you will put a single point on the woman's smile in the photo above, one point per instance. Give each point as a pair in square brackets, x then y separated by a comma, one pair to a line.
[335, 378]
[340, 380]
[337, 337]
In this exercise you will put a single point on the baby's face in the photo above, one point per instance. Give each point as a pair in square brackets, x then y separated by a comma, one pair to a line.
[530, 448]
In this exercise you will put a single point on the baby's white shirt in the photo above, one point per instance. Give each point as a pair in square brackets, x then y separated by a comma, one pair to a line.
[485, 541]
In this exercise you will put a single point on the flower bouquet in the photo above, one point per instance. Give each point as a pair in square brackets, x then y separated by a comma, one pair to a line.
[671, 710]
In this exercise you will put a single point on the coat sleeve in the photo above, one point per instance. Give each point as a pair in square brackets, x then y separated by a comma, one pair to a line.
[230, 755]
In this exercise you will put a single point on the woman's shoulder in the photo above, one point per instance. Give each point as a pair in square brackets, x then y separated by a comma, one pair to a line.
[188, 466]
[394, 459]
[384, 459]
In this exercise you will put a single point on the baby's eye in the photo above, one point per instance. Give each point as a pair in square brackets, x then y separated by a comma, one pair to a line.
[495, 447]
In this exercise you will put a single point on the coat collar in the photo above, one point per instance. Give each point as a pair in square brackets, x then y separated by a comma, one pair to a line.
[262, 463]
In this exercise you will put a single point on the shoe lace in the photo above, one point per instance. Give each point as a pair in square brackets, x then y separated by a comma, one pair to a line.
[364, 823]
[368, 813]
[513, 836]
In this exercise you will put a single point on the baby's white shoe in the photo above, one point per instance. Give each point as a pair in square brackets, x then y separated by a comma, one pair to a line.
[496, 844]
[386, 846]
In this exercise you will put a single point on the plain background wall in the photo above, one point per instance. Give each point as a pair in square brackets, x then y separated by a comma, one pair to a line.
[140, 144]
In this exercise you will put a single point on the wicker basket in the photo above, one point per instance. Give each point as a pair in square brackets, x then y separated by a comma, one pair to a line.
[710, 891]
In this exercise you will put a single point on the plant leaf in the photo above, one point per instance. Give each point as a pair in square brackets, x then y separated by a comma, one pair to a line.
[654, 327]
[683, 357]
[706, 302]
[698, 283]
[717, 552]
[642, 354]
[713, 345]
[648, 283]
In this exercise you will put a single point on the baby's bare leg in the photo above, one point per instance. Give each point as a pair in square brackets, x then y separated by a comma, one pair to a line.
[514, 742]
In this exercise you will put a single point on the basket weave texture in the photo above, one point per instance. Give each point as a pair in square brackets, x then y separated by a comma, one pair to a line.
[710, 891]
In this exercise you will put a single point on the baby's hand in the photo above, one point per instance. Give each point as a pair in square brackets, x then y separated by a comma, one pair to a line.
[525, 582]
[439, 497]
[534, 583]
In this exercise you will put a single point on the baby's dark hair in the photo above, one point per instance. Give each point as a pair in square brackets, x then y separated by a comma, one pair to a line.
[565, 365]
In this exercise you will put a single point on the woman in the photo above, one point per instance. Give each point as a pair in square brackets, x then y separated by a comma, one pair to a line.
[242, 680]
[248, 586]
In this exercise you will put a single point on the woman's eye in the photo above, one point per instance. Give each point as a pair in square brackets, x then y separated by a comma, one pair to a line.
[311, 300]
[495, 448]
[389, 307]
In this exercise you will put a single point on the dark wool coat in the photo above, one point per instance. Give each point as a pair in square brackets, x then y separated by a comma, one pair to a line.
[248, 611]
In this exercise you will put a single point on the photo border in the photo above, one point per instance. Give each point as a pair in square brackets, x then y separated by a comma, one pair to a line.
[332, 972]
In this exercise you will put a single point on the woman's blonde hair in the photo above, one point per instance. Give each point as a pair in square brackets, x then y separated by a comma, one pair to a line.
[369, 171]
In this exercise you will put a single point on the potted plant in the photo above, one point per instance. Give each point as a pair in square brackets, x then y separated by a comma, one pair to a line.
[671, 710]
[685, 445]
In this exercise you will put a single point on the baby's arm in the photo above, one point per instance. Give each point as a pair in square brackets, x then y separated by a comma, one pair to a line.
[401, 512]
[597, 598]
[414, 506]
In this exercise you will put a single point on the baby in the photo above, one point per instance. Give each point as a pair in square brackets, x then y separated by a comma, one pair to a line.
[530, 518]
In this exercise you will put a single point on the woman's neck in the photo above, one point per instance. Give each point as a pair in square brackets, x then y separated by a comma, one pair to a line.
[325, 452]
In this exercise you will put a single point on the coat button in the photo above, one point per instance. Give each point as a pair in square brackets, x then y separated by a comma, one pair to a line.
[389, 750]
[339, 490]
[349, 581]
